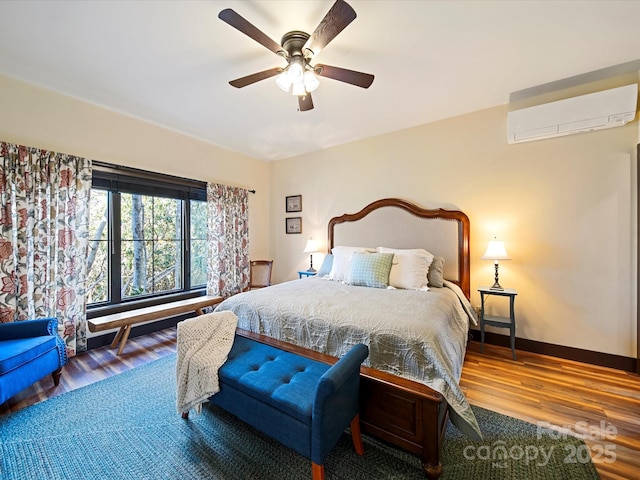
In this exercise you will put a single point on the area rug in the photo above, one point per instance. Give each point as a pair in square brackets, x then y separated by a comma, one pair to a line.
[126, 427]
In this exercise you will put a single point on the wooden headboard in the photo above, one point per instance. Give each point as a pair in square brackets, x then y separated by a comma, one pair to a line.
[396, 223]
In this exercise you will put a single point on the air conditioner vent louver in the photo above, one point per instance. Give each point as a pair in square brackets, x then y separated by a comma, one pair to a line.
[595, 111]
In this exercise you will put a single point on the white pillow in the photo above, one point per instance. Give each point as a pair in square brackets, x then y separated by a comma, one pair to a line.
[409, 269]
[341, 267]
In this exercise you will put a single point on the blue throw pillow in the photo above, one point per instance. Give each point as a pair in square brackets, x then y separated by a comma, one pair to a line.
[371, 269]
[327, 263]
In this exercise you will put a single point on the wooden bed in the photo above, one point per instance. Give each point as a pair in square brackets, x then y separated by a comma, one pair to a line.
[402, 412]
[415, 338]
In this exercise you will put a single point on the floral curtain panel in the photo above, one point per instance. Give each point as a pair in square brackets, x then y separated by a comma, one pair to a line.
[228, 239]
[43, 239]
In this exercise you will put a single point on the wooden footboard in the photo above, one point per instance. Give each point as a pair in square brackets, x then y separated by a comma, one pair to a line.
[407, 414]
[404, 413]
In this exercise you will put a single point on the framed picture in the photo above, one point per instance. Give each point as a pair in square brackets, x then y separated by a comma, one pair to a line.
[294, 203]
[294, 225]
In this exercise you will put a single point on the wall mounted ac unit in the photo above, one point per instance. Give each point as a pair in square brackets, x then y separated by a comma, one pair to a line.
[595, 111]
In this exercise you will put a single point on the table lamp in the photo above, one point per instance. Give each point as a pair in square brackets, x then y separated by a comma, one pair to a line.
[496, 251]
[311, 247]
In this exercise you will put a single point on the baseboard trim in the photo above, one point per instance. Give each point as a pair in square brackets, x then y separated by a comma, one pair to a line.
[619, 362]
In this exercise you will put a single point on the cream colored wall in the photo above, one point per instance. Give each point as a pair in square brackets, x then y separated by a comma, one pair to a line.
[564, 207]
[40, 118]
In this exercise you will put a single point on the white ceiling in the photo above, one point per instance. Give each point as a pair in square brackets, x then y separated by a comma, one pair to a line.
[169, 62]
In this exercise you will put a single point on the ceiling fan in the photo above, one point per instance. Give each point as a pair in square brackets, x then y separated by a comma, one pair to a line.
[298, 49]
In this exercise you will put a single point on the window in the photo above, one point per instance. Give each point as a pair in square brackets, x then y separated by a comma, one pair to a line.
[98, 258]
[148, 237]
[198, 247]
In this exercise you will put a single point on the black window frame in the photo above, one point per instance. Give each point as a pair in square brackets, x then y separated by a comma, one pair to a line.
[118, 179]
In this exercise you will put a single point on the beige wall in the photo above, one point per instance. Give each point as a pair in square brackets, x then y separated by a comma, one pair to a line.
[39, 118]
[565, 208]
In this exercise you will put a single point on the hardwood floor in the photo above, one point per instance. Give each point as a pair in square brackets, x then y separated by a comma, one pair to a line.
[94, 365]
[600, 402]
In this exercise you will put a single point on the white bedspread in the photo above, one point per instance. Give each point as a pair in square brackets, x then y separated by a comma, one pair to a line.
[203, 345]
[417, 335]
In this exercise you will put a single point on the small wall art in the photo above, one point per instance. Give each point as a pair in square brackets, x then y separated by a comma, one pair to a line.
[294, 203]
[294, 225]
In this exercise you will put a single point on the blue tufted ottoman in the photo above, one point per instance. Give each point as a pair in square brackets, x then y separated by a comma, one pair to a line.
[304, 404]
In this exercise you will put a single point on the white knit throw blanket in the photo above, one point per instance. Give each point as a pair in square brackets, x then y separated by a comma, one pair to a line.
[203, 345]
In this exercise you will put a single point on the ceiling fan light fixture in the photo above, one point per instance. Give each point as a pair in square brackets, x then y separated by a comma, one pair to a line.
[298, 89]
[284, 81]
[310, 81]
[296, 69]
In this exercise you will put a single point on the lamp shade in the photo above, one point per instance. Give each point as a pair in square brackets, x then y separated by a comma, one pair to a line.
[283, 81]
[310, 81]
[298, 89]
[311, 246]
[496, 251]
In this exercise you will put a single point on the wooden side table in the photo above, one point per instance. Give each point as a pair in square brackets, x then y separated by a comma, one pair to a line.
[305, 273]
[496, 321]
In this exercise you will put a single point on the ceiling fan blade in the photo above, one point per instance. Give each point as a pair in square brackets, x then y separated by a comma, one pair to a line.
[305, 103]
[255, 77]
[337, 18]
[240, 23]
[358, 79]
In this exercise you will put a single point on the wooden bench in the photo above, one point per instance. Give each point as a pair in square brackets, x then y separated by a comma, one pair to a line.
[125, 320]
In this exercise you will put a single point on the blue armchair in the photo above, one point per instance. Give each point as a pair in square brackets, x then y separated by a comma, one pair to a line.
[29, 351]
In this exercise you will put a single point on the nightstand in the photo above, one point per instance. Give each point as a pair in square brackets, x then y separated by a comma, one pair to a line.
[304, 273]
[495, 321]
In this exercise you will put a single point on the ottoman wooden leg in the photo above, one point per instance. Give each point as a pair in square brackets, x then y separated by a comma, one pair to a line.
[356, 435]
